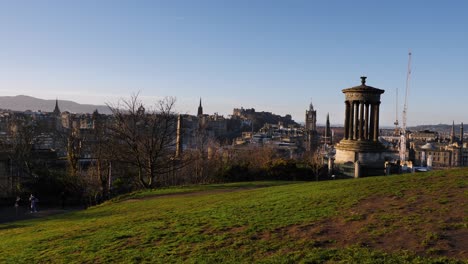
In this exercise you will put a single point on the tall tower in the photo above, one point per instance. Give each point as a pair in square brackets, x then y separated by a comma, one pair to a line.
[56, 118]
[312, 137]
[328, 135]
[311, 119]
[452, 135]
[56, 109]
[179, 135]
[361, 144]
[461, 145]
[200, 109]
[461, 133]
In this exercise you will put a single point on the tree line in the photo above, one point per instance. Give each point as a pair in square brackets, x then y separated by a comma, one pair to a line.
[135, 148]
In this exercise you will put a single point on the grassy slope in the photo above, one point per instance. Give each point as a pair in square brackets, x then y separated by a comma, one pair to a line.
[215, 225]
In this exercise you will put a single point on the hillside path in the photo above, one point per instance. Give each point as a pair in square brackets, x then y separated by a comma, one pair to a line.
[9, 214]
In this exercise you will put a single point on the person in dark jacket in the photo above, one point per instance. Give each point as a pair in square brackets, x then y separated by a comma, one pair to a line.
[33, 201]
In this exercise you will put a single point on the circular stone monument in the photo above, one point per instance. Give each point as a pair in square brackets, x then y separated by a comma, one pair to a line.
[360, 144]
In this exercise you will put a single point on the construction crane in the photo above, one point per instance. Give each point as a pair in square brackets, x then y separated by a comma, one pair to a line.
[403, 157]
[396, 123]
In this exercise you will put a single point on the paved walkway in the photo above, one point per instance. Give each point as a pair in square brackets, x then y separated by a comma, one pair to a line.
[10, 214]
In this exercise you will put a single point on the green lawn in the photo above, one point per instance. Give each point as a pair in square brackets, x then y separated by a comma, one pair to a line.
[224, 223]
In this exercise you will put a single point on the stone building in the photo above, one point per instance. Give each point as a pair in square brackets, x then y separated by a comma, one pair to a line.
[311, 119]
[310, 130]
[215, 125]
[360, 145]
[442, 156]
[425, 135]
[259, 119]
[453, 154]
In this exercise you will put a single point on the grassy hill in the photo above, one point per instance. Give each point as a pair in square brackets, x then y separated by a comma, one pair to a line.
[420, 218]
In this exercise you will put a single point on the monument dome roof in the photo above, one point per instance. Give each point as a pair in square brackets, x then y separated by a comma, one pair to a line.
[363, 88]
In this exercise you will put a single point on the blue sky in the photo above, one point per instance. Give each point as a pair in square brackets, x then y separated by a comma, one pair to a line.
[271, 55]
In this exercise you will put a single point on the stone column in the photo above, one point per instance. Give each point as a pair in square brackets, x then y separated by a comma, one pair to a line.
[357, 169]
[376, 132]
[361, 121]
[351, 119]
[179, 136]
[366, 125]
[370, 136]
[346, 122]
[356, 121]
[330, 166]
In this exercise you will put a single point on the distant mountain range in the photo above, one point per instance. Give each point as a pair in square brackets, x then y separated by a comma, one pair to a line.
[441, 128]
[23, 103]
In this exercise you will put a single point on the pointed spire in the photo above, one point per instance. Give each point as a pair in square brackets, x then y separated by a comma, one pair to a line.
[200, 109]
[461, 145]
[452, 135]
[328, 138]
[56, 109]
[461, 132]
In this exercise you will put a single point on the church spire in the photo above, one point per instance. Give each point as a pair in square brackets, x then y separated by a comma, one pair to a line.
[200, 109]
[461, 145]
[461, 132]
[57, 109]
[328, 134]
[452, 135]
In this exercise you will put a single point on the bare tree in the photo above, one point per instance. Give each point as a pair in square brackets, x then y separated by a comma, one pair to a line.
[313, 160]
[101, 151]
[204, 144]
[18, 144]
[145, 137]
[74, 151]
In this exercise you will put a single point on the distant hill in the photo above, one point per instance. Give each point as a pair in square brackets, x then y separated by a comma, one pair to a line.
[441, 128]
[23, 103]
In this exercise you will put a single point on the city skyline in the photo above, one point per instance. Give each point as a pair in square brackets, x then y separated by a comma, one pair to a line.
[274, 57]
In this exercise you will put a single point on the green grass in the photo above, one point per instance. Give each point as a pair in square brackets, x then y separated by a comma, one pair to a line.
[216, 226]
[199, 188]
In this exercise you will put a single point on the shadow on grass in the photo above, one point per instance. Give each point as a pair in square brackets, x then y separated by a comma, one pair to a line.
[10, 226]
[198, 189]
[53, 216]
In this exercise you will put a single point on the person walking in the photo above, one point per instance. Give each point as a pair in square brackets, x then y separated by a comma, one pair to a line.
[33, 201]
[17, 204]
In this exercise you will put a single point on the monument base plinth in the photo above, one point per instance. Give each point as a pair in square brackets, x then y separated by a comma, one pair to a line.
[370, 154]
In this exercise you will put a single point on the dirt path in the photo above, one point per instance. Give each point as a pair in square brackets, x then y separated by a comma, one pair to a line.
[425, 222]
